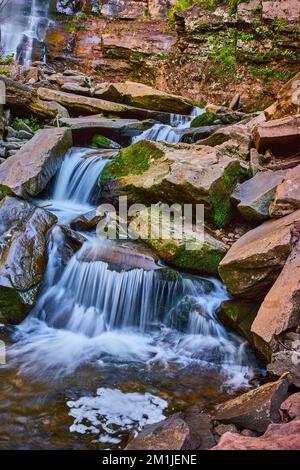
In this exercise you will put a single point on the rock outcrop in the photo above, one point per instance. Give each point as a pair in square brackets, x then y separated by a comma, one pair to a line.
[281, 136]
[288, 100]
[287, 196]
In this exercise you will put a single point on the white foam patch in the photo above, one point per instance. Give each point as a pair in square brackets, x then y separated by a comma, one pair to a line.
[112, 408]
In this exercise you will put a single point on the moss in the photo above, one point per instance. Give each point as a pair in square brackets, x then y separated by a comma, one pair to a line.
[239, 315]
[133, 160]
[205, 119]
[12, 310]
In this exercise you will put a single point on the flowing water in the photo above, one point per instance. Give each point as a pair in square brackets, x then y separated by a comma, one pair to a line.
[23, 26]
[111, 347]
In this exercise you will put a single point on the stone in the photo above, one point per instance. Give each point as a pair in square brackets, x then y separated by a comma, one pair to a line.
[254, 197]
[287, 195]
[24, 135]
[23, 258]
[254, 262]
[291, 406]
[148, 172]
[28, 172]
[256, 409]
[188, 252]
[144, 96]
[239, 315]
[288, 100]
[86, 221]
[200, 429]
[281, 136]
[277, 437]
[279, 311]
[75, 88]
[286, 361]
[288, 10]
[100, 141]
[222, 428]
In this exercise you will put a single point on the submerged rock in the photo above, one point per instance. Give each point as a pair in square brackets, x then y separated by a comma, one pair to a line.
[23, 256]
[150, 172]
[28, 172]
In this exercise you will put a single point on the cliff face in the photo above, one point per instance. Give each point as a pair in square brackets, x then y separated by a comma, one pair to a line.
[205, 52]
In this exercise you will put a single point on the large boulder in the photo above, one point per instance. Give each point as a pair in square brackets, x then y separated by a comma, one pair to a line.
[286, 361]
[291, 406]
[279, 311]
[254, 197]
[189, 251]
[277, 437]
[281, 136]
[150, 172]
[287, 196]
[144, 96]
[256, 409]
[288, 99]
[254, 262]
[239, 315]
[23, 258]
[27, 173]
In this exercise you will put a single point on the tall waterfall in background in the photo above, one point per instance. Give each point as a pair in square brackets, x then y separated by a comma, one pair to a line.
[23, 28]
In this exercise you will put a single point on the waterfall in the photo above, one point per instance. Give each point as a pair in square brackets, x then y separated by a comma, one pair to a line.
[24, 26]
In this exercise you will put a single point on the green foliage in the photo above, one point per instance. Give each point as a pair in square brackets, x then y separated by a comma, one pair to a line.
[32, 122]
[184, 5]
[268, 73]
[9, 59]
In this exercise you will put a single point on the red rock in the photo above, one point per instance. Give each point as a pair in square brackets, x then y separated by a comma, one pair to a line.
[281, 136]
[287, 195]
[291, 406]
[288, 10]
[277, 437]
[288, 100]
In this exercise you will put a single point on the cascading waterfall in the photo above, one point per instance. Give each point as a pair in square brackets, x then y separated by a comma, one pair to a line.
[24, 23]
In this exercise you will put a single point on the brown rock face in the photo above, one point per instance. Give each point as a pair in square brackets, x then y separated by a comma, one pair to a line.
[287, 196]
[27, 173]
[288, 100]
[23, 230]
[281, 136]
[286, 361]
[277, 437]
[291, 406]
[254, 262]
[279, 311]
[256, 409]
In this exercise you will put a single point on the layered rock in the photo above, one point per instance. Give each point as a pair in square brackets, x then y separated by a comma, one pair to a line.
[151, 172]
[281, 136]
[23, 232]
[287, 196]
[254, 262]
[288, 100]
[28, 172]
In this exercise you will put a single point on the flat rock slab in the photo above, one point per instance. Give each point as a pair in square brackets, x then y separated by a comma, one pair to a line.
[281, 136]
[287, 195]
[27, 173]
[256, 409]
[254, 197]
[254, 262]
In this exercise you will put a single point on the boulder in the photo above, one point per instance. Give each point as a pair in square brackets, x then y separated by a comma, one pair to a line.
[254, 262]
[28, 172]
[277, 437]
[86, 221]
[291, 406]
[287, 195]
[144, 96]
[279, 311]
[256, 409]
[254, 197]
[100, 141]
[288, 100]
[239, 315]
[286, 361]
[23, 258]
[89, 105]
[150, 172]
[189, 251]
[281, 136]
[76, 88]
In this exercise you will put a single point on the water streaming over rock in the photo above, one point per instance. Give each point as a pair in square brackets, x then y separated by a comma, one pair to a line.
[23, 28]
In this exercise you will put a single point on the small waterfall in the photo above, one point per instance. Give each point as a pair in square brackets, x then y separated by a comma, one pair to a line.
[24, 25]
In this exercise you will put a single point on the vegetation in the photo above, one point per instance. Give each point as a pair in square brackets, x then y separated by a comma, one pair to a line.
[31, 122]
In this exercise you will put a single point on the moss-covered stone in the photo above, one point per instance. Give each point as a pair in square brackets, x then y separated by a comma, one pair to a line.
[239, 315]
[205, 119]
[100, 141]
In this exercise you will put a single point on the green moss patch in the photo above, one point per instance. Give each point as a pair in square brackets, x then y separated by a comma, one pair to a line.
[205, 119]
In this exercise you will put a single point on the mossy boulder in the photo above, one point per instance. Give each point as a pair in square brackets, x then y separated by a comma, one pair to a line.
[187, 251]
[150, 172]
[239, 315]
[100, 141]
[206, 119]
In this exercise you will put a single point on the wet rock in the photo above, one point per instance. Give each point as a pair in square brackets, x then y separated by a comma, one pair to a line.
[281, 136]
[254, 197]
[254, 262]
[150, 172]
[256, 409]
[86, 221]
[190, 252]
[287, 196]
[144, 96]
[277, 437]
[28, 172]
[23, 256]
[288, 100]
[279, 311]
[239, 315]
[24, 135]
[291, 406]
[200, 429]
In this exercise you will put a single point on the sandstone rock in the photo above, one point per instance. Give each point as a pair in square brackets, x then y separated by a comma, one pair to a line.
[287, 196]
[288, 100]
[130, 9]
[222, 428]
[286, 361]
[254, 262]
[150, 172]
[28, 172]
[291, 406]
[86, 221]
[144, 96]
[23, 231]
[279, 311]
[75, 88]
[190, 251]
[254, 197]
[288, 10]
[256, 409]
[239, 315]
[277, 437]
[200, 429]
[281, 136]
